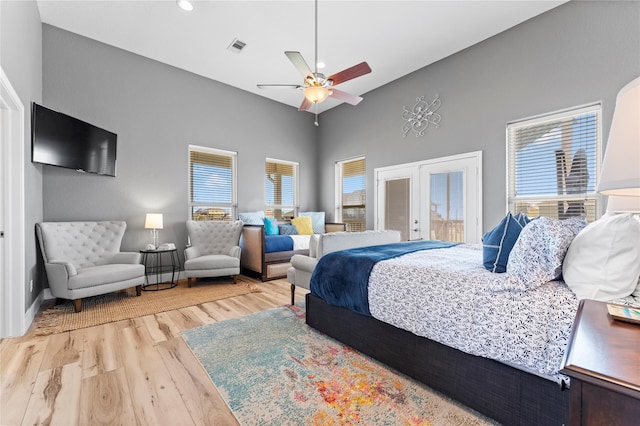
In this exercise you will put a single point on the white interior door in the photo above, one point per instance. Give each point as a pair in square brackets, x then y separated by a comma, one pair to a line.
[397, 190]
[450, 200]
[3, 266]
[12, 209]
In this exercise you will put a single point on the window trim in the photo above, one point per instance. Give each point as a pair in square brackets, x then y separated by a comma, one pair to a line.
[594, 107]
[338, 207]
[234, 178]
[296, 189]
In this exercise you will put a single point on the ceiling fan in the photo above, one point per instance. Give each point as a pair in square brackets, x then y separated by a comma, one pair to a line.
[316, 86]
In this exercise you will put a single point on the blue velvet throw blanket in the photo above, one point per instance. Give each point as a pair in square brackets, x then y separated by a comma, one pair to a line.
[341, 278]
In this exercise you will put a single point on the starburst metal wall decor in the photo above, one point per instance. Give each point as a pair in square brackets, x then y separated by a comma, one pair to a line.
[420, 116]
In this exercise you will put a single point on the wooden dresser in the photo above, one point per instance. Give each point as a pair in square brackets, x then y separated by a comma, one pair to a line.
[603, 361]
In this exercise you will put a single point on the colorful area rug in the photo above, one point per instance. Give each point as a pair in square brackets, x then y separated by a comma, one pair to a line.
[125, 304]
[272, 369]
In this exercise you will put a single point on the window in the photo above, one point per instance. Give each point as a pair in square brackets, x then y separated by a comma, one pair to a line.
[281, 189]
[351, 177]
[212, 184]
[554, 164]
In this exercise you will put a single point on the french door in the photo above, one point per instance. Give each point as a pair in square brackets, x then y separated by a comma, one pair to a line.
[396, 206]
[438, 199]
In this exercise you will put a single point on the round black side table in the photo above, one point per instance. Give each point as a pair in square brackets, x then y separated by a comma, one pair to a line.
[158, 266]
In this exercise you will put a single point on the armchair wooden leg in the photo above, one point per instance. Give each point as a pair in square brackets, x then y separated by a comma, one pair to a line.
[77, 305]
[293, 294]
[138, 290]
[235, 281]
[189, 282]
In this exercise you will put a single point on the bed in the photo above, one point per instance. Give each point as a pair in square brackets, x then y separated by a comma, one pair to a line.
[438, 316]
[267, 257]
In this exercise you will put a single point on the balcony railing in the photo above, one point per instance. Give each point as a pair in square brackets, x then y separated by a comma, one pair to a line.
[447, 230]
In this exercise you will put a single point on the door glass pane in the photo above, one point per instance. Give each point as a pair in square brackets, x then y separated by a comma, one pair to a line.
[397, 206]
[447, 207]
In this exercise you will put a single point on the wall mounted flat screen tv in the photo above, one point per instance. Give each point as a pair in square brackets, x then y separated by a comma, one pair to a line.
[60, 140]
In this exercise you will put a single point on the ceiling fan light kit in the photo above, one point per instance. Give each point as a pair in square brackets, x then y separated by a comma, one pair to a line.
[316, 94]
[316, 87]
[185, 5]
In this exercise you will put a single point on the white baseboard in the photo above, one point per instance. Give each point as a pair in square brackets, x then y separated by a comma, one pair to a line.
[31, 313]
[47, 294]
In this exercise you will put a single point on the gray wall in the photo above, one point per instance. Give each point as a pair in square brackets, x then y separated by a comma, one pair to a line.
[21, 60]
[578, 53]
[157, 111]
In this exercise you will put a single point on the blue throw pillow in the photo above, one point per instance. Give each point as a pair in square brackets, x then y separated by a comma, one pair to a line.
[270, 226]
[288, 230]
[497, 243]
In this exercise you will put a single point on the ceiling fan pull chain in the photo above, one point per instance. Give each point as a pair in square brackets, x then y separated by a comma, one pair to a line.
[316, 121]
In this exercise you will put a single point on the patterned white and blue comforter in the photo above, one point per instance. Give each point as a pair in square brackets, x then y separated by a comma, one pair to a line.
[443, 295]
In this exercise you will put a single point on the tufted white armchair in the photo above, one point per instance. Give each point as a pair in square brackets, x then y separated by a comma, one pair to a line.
[83, 259]
[214, 250]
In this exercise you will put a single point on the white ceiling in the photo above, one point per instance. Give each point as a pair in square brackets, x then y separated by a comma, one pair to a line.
[394, 37]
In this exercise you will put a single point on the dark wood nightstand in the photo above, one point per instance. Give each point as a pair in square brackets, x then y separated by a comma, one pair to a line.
[603, 361]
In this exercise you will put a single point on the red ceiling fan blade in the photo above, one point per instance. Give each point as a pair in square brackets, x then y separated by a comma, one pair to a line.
[344, 96]
[301, 65]
[350, 73]
[279, 86]
[305, 105]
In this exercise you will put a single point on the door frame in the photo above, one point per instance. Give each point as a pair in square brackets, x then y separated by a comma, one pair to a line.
[12, 136]
[417, 165]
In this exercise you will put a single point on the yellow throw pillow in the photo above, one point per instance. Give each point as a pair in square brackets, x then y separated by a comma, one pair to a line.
[303, 225]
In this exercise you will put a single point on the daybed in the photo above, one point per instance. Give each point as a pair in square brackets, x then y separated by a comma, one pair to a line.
[437, 315]
[259, 259]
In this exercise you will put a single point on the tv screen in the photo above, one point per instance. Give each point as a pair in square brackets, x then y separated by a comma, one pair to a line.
[61, 140]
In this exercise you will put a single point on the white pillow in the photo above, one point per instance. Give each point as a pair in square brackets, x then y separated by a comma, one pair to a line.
[603, 261]
[252, 218]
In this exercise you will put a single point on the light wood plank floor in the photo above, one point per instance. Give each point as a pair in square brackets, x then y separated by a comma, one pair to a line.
[136, 371]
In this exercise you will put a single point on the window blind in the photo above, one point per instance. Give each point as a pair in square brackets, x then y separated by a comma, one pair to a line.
[352, 177]
[212, 184]
[281, 189]
[554, 163]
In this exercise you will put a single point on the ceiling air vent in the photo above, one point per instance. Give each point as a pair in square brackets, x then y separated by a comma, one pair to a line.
[236, 46]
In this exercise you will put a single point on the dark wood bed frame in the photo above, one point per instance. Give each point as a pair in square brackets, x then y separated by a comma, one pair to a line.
[503, 393]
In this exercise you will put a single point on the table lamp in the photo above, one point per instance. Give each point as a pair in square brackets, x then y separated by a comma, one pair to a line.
[620, 174]
[619, 204]
[154, 222]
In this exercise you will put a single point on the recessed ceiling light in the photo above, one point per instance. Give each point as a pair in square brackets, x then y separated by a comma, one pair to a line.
[185, 5]
[321, 65]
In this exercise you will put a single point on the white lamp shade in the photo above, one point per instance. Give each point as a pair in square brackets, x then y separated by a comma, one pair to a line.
[153, 221]
[618, 204]
[621, 165]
